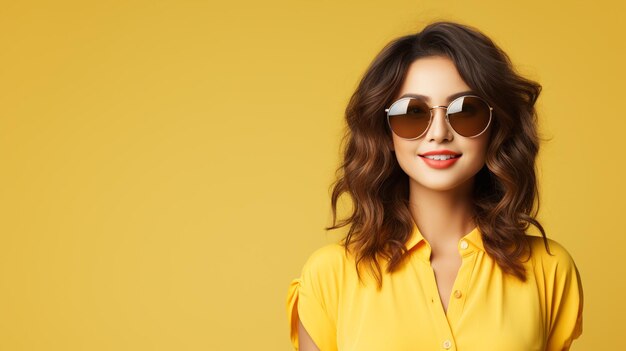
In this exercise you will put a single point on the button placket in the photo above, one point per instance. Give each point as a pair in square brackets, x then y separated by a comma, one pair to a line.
[443, 327]
[461, 284]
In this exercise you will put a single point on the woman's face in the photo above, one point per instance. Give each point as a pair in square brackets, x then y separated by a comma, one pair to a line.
[437, 78]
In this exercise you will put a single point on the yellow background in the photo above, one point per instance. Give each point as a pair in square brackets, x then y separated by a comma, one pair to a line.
[165, 165]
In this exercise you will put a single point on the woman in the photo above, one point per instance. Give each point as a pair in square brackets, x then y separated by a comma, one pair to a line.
[440, 166]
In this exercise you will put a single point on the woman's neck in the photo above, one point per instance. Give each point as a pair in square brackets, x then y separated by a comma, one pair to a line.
[443, 217]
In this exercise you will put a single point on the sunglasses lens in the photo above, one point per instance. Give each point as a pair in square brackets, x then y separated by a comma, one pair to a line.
[409, 117]
[469, 115]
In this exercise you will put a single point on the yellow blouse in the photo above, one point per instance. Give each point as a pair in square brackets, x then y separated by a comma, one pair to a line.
[488, 309]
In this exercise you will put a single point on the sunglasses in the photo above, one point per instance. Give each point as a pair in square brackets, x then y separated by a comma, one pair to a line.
[410, 117]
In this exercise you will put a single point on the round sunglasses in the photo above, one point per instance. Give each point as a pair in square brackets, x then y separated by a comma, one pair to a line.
[468, 115]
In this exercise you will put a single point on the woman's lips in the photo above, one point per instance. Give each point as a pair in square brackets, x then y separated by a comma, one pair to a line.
[439, 164]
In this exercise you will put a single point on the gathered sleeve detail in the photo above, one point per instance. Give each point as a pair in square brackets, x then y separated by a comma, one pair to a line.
[565, 303]
[308, 300]
[292, 311]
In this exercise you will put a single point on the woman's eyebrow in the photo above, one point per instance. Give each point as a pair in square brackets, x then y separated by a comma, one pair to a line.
[450, 98]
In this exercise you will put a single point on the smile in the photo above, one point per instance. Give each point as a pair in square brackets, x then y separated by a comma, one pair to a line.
[440, 161]
[441, 157]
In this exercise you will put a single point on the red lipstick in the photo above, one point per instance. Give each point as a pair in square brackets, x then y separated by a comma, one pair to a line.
[440, 164]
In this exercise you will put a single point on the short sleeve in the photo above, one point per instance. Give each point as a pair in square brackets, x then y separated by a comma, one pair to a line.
[312, 299]
[565, 292]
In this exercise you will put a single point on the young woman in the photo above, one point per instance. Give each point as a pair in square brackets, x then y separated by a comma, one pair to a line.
[440, 166]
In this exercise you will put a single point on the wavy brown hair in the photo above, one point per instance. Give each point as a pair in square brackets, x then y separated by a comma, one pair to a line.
[505, 189]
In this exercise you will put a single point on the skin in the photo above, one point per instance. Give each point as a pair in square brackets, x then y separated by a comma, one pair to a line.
[440, 199]
[305, 343]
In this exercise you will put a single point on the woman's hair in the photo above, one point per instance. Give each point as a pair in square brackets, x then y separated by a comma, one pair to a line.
[505, 188]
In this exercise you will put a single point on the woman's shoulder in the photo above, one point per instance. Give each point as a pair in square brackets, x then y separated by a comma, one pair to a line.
[558, 258]
[328, 259]
[561, 286]
[313, 297]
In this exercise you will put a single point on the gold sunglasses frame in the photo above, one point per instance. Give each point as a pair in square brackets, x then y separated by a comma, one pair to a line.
[432, 115]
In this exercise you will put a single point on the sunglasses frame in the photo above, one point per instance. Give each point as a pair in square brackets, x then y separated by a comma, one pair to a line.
[432, 115]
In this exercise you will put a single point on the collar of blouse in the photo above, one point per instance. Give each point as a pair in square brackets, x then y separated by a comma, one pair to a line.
[467, 245]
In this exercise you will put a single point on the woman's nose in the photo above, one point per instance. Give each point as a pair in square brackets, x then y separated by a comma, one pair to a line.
[439, 129]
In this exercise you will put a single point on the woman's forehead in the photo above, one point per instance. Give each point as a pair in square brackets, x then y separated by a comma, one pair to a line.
[434, 77]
